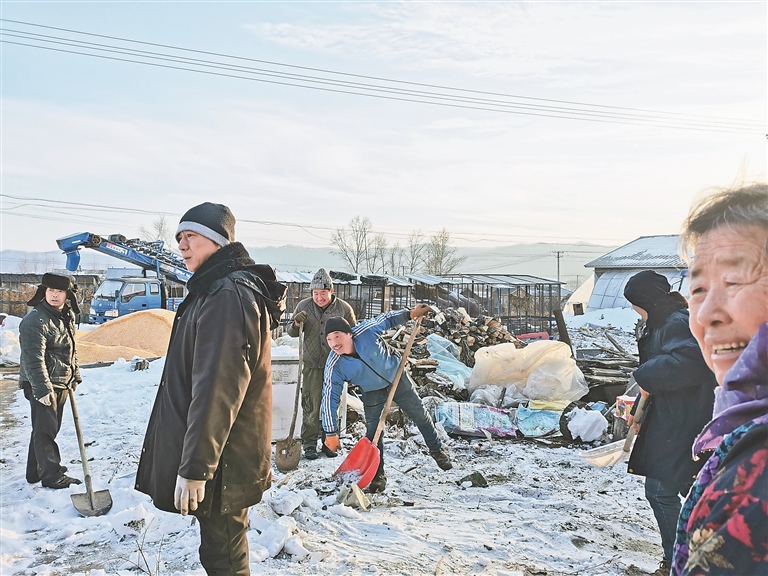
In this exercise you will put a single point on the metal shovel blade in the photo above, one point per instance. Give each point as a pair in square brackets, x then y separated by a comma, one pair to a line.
[93, 503]
[360, 465]
[287, 454]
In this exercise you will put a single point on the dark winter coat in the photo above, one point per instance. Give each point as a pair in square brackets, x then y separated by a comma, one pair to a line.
[316, 348]
[212, 417]
[48, 355]
[681, 386]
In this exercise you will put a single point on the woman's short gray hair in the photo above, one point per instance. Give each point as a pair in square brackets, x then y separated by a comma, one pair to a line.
[746, 206]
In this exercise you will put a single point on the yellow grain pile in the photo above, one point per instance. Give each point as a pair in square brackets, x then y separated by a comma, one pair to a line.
[144, 333]
[88, 352]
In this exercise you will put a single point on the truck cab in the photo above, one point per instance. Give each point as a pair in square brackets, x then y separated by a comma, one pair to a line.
[119, 296]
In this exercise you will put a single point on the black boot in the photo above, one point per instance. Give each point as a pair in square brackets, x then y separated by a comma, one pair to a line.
[442, 459]
[310, 453]
[378, 483]
[62, 481]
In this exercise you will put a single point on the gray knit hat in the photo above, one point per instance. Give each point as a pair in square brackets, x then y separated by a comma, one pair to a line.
[321, 281]
[214, 221]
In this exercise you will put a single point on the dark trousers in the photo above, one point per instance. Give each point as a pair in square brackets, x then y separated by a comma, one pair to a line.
[664, 498]
[223, 541]
[410, 403]
[311, 396]
[43, 459]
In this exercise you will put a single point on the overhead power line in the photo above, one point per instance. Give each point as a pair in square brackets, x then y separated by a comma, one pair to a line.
[339, 82]
[96, 212]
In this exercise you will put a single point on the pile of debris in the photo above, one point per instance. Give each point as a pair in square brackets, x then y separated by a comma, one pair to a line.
[608, 375]
[455, 325]
[469, 334]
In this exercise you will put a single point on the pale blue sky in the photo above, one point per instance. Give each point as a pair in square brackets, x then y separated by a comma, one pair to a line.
[109, 133]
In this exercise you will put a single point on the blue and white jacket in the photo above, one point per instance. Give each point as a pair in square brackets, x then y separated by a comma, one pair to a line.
[375, 368]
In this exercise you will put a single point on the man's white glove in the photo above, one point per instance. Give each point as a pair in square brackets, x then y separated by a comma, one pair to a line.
[47, 399]
[188, 494]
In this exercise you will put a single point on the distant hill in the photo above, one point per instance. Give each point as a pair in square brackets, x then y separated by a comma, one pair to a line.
[533, 259]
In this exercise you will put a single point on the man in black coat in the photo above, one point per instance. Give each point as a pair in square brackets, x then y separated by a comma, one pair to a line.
[48, 372]
[679, 390]
[207, 450]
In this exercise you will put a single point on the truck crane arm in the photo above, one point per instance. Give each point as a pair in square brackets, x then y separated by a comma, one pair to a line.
[146, 255]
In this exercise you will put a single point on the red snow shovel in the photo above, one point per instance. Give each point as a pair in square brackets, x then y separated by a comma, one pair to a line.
[362, 462]
[91, 503]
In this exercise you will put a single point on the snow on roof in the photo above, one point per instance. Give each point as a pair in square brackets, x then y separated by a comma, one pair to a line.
[645, 252]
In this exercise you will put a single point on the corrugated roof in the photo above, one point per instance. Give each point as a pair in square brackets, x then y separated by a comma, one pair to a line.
[429, 279]
[503, 280]
[306, 278]
[645, 252]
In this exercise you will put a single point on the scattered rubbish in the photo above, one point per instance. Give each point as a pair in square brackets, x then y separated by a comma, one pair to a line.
[474, 419]
[534, 423]
[138, 363]
[587, 425]
[543, 370]
[476, 480]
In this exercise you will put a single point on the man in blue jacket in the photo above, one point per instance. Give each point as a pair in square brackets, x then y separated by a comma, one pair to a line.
[360, 357]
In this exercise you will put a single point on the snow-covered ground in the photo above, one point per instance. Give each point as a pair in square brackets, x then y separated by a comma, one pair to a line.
[545, 512]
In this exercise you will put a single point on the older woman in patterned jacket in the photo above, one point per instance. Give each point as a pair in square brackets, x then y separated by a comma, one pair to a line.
[723, 527]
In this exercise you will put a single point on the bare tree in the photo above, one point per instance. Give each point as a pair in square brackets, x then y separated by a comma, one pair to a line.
[351, 243]
[413, 258]
[159, 230]
[440, 257]
[377, 254]
[395, 260]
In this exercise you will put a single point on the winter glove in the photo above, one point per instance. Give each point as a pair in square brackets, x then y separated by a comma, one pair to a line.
[47, 399]
[188, 494]
[332, 442]
[300, 317]
[420, 310]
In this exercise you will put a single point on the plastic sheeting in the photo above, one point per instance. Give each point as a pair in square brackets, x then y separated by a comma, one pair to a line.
[470, 419]
[447, 355]
[542, 370]
[535, 423]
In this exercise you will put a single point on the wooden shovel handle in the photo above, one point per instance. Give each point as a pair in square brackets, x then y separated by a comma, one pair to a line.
[637, 416]
[393, 387]
[298, 382]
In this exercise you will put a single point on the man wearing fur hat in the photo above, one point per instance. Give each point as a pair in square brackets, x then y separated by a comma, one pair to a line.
[207, 450]
[47, 374]
[313, 313]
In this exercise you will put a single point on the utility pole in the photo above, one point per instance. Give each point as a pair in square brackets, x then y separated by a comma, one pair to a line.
[558, 254]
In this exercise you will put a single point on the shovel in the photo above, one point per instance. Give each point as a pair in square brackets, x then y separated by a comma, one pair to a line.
[288, 451]
[91, 503]
[362, 462]
[615, 452]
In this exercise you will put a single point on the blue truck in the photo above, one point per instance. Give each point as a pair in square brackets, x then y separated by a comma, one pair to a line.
[117, 296]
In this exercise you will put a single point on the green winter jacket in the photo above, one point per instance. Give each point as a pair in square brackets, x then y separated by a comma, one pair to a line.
[48, 356]
[316, 348]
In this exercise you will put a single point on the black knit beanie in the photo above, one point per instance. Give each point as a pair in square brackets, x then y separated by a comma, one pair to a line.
[645, 288]
[214, 221]
[337, 324]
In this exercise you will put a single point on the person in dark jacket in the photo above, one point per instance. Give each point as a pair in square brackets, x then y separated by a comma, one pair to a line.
[207, 450]
[48, 372]
[313, 313]
[679, 391]
[723, 527]
[360, 357]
